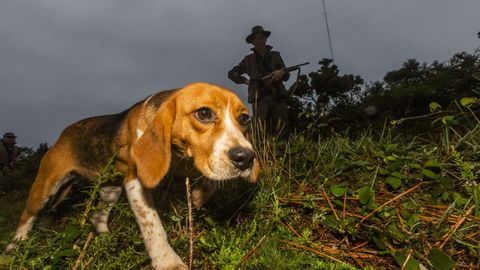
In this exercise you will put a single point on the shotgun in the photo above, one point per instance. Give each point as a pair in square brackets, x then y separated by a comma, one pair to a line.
[267, 79]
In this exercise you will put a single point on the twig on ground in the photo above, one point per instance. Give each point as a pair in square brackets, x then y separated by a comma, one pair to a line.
[190, 223]
[313, 250]
[331, 206]
[249, 254]
[406, 260]
[388, 202]
[83, 252]
[292, 229]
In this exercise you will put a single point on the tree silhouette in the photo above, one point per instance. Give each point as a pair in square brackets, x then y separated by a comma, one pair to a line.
[323, 91]
[345, 101]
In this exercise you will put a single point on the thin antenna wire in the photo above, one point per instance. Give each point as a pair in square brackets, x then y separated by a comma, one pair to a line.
[328, 31]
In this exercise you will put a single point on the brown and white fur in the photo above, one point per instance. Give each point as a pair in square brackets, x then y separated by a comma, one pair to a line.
[200, 126]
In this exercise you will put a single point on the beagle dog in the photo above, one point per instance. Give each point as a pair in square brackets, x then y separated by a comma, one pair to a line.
[196, 131]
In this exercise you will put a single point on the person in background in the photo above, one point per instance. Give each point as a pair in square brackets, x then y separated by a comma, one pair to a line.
[268, 99]
[9, 152]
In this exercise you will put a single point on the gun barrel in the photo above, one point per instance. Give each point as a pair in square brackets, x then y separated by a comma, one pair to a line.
[287, 69]
[296, 66]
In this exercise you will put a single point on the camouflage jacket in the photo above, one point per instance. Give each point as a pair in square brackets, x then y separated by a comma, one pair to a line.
[255, 67]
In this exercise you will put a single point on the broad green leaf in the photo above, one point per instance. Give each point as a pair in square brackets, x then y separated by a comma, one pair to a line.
[417, 175]
[391, 158]
[339, 190]
[416, 166]
[459, 199]
[440, 260]
[434, 106]
[448, 119]
[445, 195]
[394, 182]
[401, 256]
[365, 194]
[397, 234]
[428, 173]
[396, 165]
[467, 101]
[382, 171]
[433, 163]
[388, 212]
[338, 203]
[397, 174]
[412, 220]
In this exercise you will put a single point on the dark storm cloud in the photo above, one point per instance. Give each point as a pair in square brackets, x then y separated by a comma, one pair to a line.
[65, 60]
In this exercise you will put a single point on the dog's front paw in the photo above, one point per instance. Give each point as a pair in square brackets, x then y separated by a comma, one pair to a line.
[169, 262]
[180, 266]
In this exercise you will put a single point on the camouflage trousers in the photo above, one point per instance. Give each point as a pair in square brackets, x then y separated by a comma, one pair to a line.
[270, 117]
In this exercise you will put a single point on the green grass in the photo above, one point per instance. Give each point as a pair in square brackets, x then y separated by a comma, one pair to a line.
[285, 221]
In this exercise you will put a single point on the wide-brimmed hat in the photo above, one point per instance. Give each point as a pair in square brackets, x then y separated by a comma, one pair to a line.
[257, 29]
[9, 135]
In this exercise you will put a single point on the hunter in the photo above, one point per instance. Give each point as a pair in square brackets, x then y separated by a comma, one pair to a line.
[9, 152]
[268, 100]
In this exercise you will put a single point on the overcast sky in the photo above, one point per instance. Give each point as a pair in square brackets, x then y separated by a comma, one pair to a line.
[61, 61]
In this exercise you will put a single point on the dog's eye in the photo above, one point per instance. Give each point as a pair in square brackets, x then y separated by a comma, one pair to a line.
[204, 115]
[244, 119]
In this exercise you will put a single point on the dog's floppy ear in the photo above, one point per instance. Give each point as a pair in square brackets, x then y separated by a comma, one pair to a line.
[151, 153]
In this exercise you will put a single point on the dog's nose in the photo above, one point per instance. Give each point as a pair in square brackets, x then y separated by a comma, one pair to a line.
[241, 157]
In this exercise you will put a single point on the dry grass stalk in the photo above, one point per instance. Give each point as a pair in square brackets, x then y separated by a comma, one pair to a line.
[359, 245]
[449, 234]
[357, 260]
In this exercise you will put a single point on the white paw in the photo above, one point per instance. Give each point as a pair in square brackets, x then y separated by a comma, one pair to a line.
[101, 227]
[169, 262]
[11, 247]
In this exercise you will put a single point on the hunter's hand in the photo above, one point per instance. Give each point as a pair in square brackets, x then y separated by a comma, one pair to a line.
[277, 75]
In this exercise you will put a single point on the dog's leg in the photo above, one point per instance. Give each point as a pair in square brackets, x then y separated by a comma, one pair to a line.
[203, 192]
[109, 195]
[51, 176]
[154, 235]
[61, 196]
